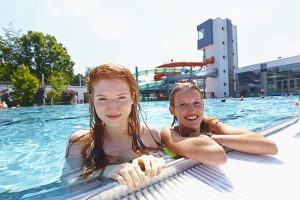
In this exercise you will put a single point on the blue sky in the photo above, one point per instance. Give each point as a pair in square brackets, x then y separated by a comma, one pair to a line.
[147, 33]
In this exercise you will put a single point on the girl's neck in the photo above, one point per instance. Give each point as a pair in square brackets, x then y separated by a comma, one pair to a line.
[185, 131]
[116, 133]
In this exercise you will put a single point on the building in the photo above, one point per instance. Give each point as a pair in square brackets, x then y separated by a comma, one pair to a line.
[273, 78]
[218, 38]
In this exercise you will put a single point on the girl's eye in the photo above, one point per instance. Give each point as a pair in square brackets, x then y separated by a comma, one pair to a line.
[197, 103]
[122, 97]
[182, 104]
[102, 99]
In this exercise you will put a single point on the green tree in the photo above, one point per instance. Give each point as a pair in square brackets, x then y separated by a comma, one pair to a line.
[25, 85]
[79, 78]
[45, 55]
[41, 53]
[58, 83]
[8, 53]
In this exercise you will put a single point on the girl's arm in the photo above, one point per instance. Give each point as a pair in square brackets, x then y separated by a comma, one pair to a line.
[201, 148]
[242, 140]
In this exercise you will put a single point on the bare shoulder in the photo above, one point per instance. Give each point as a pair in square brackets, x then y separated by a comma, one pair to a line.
[149, 135]
[75, 142]
[166, 132]
[170, 135]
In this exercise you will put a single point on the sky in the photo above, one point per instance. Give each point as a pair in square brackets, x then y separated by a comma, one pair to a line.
[148, 33]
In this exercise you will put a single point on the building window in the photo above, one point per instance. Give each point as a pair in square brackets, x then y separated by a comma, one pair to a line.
[224, 84]
[223, 56]
[200, 34]
[223, 42]
[222, 28]
[224, 71]
[224, 93]
[233, 53]
[232, 40]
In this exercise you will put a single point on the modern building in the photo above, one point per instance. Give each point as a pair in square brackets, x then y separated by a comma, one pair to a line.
[218, 38]
[273, 78]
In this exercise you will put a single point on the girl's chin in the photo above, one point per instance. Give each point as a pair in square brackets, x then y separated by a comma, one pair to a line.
[192, 124]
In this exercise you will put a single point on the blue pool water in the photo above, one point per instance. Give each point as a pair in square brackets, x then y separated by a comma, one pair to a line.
[33, 139]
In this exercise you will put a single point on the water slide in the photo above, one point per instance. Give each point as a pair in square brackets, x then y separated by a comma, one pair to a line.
[213, 72]
[147, 85]
[159, 75]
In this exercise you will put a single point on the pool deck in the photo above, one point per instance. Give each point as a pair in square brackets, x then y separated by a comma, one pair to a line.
[244, 176]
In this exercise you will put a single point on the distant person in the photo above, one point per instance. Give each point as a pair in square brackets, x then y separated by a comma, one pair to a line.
[116, 145]
[203, 138]
[17, 106]
[297, 103]
[3, 105]
[242, 98]
[223, 99]
[262, 92]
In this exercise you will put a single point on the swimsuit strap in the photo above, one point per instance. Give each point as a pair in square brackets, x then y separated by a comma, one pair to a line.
[140, 142]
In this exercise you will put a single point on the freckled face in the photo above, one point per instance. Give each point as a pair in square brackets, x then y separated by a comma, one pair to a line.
[112, 101]
[188, 108]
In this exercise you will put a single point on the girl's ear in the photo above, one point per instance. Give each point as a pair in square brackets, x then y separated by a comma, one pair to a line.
[172, 110]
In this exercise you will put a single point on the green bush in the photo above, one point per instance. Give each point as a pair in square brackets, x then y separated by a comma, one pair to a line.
[25, 86]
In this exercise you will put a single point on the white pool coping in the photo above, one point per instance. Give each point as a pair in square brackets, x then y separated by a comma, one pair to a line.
[244, 176]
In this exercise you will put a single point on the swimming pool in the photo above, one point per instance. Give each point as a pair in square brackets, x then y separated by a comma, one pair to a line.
[33, 139]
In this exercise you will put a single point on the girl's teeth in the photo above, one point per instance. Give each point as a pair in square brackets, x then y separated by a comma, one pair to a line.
[193, 117]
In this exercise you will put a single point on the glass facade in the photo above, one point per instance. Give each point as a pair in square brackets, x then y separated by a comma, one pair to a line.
[248, 83]
[284, 79]
[281, 80]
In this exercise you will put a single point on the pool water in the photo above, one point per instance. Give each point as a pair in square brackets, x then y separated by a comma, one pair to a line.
[33, 139]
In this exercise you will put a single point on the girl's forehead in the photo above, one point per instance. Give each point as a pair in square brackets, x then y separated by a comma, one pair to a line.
[187, 92]
[110, 85]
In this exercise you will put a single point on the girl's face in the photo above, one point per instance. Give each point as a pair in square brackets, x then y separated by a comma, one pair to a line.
[112, 101]
[188, 108]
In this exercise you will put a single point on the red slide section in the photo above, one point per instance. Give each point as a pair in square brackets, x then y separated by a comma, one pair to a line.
[159, 76]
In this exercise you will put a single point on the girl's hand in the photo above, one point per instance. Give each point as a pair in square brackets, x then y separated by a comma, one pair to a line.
[151, 165]
[127, 174]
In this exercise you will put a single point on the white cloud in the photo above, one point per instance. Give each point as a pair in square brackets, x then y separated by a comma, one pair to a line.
[180, 49]
[247, 16]
[291, 48]
[52, 9]
[279, 39]
[70, 7]
[109, 27]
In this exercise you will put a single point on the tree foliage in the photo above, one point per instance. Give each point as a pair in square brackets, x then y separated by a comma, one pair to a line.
[79, 78]
[59, 83]
[25, 86]
[41, 53]
[9, 53]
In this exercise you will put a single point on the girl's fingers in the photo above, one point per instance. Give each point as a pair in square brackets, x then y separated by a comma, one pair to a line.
[154, 167]
[120, 179]
[140, 173]
[147, 165]
[161, 163]
[134, 176]
[151, 165]
[128, 179]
